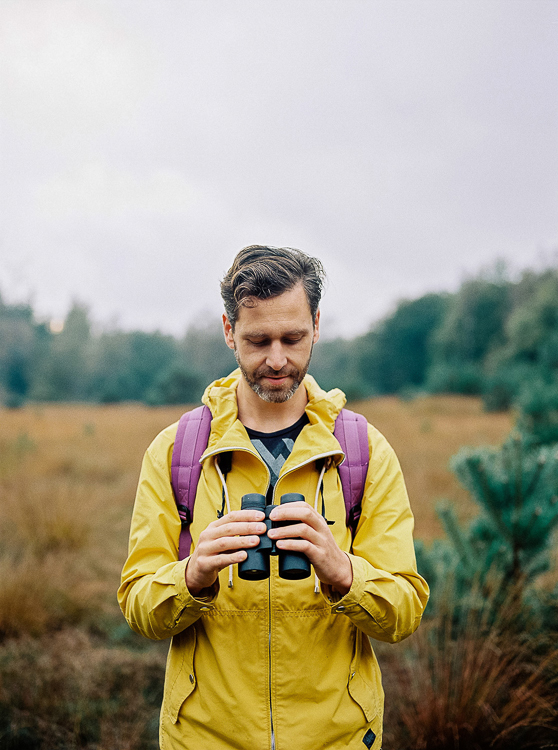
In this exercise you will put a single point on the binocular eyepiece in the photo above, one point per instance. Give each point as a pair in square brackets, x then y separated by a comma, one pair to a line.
[292, 565]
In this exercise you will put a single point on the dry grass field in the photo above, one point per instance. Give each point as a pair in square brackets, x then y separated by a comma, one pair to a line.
[68, 474]
[72, 674]
[67, 483]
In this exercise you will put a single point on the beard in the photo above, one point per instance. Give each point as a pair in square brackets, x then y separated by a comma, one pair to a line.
[274, 394]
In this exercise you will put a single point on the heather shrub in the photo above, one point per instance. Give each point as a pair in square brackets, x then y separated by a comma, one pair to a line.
[65, 691]
[469, 689]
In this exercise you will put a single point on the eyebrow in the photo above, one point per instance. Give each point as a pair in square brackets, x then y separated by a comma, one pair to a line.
[266, 335]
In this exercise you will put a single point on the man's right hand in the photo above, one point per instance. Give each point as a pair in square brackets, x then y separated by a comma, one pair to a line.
[222, 543]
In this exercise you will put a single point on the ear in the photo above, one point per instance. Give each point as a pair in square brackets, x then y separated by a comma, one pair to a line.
[228, 331]
[316, 328]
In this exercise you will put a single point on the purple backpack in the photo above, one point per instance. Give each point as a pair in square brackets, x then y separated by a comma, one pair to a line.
[351, 431]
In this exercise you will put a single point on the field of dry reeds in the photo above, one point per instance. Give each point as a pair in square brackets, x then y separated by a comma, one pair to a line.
[72, 675]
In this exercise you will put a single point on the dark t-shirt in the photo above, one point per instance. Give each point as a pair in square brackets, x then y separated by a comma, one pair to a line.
[276, 447]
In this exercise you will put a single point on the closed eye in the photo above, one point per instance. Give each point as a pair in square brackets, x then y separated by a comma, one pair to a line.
[290, 340]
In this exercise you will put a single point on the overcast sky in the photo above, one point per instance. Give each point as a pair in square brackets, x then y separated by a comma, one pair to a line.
[407, 144]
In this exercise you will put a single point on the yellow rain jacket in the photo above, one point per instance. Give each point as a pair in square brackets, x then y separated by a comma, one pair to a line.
[273, 656]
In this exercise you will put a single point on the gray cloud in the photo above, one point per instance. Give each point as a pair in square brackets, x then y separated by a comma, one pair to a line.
[406, 144]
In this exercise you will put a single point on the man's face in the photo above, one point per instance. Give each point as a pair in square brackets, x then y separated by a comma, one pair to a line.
[272, 343]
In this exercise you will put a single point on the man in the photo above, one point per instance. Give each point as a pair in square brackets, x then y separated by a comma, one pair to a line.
[274, 663]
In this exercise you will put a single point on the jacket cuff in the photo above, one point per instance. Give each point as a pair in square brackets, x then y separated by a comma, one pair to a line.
[203, 601]
[351, 602]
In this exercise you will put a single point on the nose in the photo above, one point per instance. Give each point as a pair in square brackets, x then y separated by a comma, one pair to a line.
[276, 358]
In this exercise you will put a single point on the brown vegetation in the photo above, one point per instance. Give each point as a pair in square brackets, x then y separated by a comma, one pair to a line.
[72, 672]
[68, 691]
[481, 687]
[68, 475]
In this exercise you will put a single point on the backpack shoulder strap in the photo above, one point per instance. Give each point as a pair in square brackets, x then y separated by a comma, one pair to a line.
[351, 431]
[190, 443]
[192, 435]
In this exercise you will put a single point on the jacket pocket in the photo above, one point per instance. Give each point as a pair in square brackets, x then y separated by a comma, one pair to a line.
[364, 678]
[180, 679]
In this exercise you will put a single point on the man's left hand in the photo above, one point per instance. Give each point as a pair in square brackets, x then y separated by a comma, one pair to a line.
[315, 540]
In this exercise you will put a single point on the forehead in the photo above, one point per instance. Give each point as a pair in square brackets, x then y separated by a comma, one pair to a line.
[283, 311]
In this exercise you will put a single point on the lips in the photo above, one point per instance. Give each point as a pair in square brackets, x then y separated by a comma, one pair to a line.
[277, 379]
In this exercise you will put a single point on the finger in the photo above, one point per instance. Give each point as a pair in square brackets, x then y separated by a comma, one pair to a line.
[286, 507]
[216, 530]
[298, 512]
[299, 545]
[218, 562]
[241, 515]
[291, 510]
[225, 544]
[302, 530]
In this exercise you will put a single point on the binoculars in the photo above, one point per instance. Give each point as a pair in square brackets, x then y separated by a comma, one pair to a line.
[292, 565]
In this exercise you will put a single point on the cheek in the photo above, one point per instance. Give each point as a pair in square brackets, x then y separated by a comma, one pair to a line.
[250, 358]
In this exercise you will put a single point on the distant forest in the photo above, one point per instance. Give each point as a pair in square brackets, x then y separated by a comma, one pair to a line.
[494, 337]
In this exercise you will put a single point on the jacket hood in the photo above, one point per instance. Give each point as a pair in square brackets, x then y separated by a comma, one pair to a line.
[220, 396]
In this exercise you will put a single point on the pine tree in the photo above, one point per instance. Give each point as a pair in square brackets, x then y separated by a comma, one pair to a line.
[538, 411]
[516, 487]
[508, 544]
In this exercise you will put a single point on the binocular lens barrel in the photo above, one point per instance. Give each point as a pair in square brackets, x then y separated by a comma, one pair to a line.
[256, 566]
[253, 501]
[292, 565]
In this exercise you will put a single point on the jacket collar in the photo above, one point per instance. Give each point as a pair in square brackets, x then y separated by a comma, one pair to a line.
[227, 432]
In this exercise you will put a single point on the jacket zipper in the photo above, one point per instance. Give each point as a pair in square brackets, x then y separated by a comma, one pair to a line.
[294, 468]
[257, 455]
[272, 745]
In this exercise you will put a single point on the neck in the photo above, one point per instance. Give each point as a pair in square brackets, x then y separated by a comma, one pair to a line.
[263, 416]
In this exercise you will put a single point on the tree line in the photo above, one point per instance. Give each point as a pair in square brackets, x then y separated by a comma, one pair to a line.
[495, 336]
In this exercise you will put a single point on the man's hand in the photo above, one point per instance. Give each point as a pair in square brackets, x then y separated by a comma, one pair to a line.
[223, 542]
[316, 541]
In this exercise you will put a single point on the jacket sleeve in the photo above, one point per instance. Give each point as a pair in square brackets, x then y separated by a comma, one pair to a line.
[387, 597]
[153, 594]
